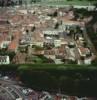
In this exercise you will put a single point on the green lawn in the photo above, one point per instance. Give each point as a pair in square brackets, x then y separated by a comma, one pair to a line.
[72, 2]
[57, 67]
[36, 59]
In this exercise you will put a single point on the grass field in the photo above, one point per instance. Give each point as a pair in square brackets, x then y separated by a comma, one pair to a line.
[65, 2]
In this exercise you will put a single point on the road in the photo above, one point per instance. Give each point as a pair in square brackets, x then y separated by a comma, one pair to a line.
[8, 81]
[8, 92]
[11, 88]
[87, 38]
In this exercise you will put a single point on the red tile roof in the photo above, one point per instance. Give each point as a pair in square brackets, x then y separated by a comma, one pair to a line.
[13, 45]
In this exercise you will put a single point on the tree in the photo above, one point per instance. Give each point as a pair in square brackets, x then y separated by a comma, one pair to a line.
[33, 28]
[95, 6]
[56, 26]
[20, 2]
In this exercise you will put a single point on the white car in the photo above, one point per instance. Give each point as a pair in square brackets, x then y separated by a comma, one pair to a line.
[83, 98]
[5, 77]
[45, 96]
